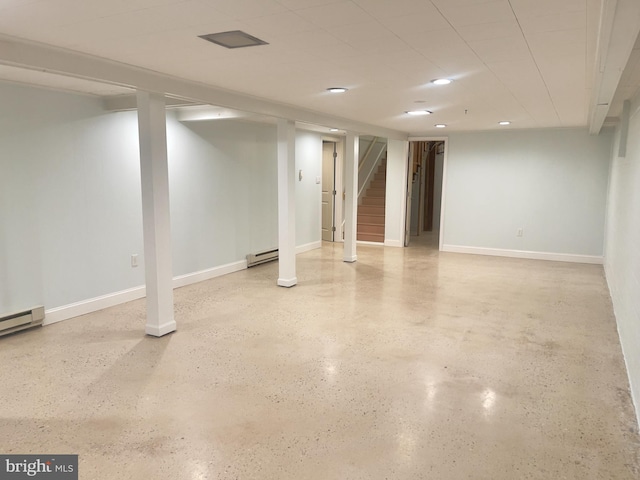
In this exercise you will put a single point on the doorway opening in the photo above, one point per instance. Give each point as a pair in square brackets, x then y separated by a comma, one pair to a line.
[424, 191]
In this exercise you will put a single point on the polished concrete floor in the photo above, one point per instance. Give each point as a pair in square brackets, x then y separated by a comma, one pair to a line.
[409, 364]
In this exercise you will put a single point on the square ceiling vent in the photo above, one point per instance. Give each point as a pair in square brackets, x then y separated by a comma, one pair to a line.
[234, 39]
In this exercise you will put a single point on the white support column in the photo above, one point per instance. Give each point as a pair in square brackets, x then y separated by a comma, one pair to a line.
[286, 203]
[152, 130]
[351, 196]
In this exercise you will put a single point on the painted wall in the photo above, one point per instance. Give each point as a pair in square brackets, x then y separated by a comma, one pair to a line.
[70, 206]
[550, 183]
[622, 254]
[308, 190]
[395, 201]
[223, 186]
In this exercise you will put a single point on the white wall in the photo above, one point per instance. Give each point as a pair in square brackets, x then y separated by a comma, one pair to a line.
[550, 183]
[70, 206]
[223, 186]
[622, 255]
[70, 209]
[395, 201]
[308, 192]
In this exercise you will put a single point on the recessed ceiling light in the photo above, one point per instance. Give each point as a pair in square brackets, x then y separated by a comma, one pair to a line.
[233, 39]
[418, 112]
[337, 89]
[440, 125]
[441, 81]
[504, 123]
[334, 130]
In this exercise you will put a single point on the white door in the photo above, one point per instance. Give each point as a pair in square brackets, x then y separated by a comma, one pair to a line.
[328, 190]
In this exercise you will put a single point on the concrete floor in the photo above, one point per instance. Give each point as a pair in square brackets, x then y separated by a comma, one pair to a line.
[408, 364]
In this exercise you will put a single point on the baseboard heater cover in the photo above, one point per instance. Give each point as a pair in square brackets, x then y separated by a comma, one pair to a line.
[254, 259]
[14, 322]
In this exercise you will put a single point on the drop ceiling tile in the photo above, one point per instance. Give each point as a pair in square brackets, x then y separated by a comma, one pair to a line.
[384, 9]
[343, 13]
[541, 8]
[359, 32]
[501, 49]
[313, 39]
[246, 9]
[559, 43]
[333, 51]
[475, 13]
[275, 24]
[404, 24]
[567, 84]
[485, 31]
[444, 41]
[369, 39]
[302, 4]
[525, 82]
[461, 3]
[551, 23]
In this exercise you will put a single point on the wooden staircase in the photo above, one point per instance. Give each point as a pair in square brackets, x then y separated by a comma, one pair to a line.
[371, 209]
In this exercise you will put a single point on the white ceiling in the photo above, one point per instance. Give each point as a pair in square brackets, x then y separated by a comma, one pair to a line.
[527, 61]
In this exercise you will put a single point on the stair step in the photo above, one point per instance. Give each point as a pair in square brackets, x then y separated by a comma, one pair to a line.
[376, 201]
[370, 237]
[371, 209]
[375, 192]
[369, 228]
[378, 184]
[371, 219]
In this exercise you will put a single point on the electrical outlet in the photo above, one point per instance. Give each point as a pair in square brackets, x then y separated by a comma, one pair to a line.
[134, 260]
[520, 232]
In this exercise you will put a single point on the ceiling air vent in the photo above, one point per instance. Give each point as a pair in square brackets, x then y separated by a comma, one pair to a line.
[234, 39]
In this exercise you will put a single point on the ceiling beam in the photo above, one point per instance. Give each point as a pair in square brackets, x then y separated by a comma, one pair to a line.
[39, 56]
[122, 103]
[619, 29]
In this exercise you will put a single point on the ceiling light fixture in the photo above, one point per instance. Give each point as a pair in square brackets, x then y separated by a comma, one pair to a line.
[337, 89]
[440, 125]
[334, 130]
[441, 81]
[504, 123]
[419, 112]
[233, 39]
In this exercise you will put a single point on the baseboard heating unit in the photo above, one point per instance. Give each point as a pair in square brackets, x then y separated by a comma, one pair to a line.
[254, 259]
[14, 322]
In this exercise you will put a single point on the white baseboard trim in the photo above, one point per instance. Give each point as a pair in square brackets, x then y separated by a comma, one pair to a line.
[498, 252]
[162, 330]
[308, 247]
[83, 307]
[91, 305]
[287, 282]
[393, 243]
[209, 273]
[375, 244]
